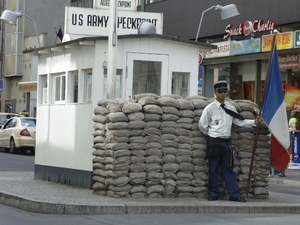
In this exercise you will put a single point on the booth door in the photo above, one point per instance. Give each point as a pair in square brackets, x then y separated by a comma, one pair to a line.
[147, 73]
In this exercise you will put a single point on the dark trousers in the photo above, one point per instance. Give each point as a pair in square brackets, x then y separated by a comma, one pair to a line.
[228, 174]
[292, 144]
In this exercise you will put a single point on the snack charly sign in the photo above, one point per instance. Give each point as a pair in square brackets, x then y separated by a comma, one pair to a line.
[249, 27]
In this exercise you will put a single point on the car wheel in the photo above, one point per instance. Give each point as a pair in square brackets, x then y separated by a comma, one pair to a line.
[12, 148]
[6, 149]
[32, 151]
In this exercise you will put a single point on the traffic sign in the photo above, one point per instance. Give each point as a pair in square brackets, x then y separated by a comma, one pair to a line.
[1, 85]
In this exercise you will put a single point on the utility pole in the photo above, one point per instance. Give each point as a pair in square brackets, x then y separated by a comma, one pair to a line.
[112, 51]
[2, 54]
[143, 5]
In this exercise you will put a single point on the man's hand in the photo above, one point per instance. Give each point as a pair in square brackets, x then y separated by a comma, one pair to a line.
[258, 120]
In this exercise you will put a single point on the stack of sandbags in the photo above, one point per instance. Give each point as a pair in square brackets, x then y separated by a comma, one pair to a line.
[100, 153]
[151, 146]
[184, 155]
[117, 164]
[200, 173]
[137, 174]
[262, 158]
[245, 147]
[170, 143]
[244, 143]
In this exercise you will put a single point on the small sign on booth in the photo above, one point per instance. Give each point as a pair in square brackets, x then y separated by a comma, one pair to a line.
[129, 5]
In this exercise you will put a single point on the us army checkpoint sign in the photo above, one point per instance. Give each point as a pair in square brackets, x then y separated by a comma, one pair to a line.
[122, 5]
[94, 22]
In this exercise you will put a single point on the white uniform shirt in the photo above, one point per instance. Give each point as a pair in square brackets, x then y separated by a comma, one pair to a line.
[215, 122]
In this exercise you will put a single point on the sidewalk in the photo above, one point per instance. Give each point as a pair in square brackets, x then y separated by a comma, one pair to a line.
[20, 190]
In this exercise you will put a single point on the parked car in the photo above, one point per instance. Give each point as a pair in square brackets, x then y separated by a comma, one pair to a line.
[18, 133]
[6, 116]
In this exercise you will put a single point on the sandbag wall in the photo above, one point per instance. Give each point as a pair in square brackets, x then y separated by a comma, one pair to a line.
[150, 146]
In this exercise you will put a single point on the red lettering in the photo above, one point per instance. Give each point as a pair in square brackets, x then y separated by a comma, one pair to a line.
[223, 48]
[258, 26]
[227, 30]
[233, 32]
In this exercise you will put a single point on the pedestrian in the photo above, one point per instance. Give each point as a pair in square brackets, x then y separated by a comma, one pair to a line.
[276, 172]
[216, 122]
[292, 130]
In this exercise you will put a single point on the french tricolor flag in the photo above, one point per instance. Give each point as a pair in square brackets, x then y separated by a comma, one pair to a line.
[274, 115]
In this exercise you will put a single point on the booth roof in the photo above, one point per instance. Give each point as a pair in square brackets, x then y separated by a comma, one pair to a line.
[203, 46]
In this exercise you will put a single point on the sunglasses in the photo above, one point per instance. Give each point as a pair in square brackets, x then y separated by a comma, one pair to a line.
[220, 91]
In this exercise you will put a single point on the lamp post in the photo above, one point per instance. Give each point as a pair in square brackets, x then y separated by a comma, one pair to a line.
[11, 17]
[226, 12]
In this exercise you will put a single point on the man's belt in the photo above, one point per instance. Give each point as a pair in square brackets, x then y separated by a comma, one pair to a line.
[222, 138]
[225, 137]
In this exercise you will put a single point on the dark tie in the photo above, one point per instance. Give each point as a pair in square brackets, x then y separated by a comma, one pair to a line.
[232, 113]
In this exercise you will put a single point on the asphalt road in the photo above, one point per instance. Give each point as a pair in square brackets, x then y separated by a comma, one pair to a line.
[25, 162]
[284, 189]
[16, 162]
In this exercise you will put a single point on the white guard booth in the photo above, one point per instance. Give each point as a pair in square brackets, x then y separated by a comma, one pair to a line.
[72, 79]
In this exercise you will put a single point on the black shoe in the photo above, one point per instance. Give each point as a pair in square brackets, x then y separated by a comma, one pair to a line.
[238, 200]
[212, 198]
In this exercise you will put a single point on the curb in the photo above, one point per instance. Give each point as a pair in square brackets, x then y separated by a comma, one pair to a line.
[208, 207]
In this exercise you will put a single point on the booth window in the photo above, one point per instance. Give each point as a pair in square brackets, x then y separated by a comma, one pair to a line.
[87, 89]
[118, 83]
[180, 84]
[43, 89]
[73, 77]
[59, 87]
[146, 77]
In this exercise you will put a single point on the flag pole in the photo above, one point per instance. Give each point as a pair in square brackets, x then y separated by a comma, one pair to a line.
[259, 114]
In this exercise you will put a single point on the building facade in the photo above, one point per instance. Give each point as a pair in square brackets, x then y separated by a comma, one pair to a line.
[19, 72]
[245, 70]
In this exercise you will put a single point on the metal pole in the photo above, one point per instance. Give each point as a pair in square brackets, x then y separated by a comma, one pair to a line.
[37, 35]
[201, 21]
[112, 51]
[143, 5]
[2, 57]
[258, 125]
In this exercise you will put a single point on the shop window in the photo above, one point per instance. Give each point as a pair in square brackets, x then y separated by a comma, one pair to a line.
[59, 82]
[118, 83]
[248, 90]
[87, 85]
[82, 3]
[43, 89]
[146, 77]
[262, 88]
[180, 84]
[73, 76]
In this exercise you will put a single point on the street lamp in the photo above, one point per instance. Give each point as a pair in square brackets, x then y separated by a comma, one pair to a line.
[11, 17]
[146, 27]
[226, 12]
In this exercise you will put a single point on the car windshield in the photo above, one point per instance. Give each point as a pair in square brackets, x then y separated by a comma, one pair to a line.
[28, 122]
[4, 118]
